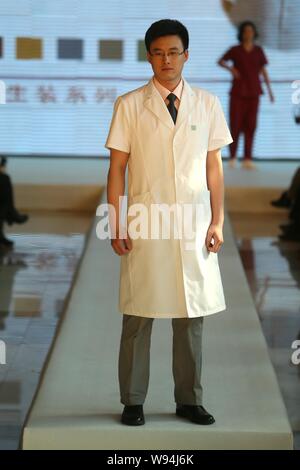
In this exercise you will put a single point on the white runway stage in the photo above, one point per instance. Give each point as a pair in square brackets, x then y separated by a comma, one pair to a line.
[77, 405]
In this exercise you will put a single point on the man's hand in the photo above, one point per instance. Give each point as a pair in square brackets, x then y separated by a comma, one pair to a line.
[121, 246]
[214, 231]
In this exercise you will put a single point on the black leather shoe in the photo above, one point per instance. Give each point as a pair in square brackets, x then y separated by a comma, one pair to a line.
[17, 218]
[5, 241]
[195, 413]
[285, 227]
[133, 415]
[292, 234]
[283, 201]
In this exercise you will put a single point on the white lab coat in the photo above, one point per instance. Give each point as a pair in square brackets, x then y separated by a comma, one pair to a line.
[167, 278]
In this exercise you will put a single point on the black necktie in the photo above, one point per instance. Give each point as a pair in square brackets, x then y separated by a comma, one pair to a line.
[171, 106]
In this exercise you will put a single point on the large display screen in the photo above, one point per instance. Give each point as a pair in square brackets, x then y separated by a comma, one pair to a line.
[64, 62]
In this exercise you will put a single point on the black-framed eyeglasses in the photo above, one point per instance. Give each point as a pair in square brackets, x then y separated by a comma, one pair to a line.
[171, 54]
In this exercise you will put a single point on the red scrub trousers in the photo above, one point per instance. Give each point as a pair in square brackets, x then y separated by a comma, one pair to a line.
[243, 119]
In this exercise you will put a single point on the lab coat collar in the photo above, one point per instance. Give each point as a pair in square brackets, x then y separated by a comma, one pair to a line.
[155, 103]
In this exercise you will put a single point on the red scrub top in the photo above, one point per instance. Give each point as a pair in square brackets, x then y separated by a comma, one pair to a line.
[249, 64]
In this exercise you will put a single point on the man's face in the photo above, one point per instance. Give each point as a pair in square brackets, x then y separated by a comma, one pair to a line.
[167, 67]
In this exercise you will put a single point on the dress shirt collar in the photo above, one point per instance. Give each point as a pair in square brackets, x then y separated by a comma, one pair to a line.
[165, 92]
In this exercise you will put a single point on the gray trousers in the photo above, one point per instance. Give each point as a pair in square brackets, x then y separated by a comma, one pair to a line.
[134, 359]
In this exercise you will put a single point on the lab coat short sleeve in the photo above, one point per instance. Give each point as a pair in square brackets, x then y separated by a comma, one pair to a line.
[119, 132]
[219, 134]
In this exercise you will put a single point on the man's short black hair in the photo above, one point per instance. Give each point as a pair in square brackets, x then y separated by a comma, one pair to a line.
[164, 28]
[242, 27]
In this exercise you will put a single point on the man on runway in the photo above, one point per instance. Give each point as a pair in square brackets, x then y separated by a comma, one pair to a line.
[170, 135]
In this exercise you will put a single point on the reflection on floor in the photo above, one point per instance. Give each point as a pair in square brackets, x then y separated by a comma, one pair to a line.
[36, 275]
[35, 278]
[273, 272]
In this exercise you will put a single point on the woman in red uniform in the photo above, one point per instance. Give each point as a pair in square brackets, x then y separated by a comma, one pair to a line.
[248, 62]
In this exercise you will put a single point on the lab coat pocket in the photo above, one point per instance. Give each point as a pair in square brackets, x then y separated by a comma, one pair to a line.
[198, 224]
[138, 216]
[202, 202]
[203, 222]
[197, 132]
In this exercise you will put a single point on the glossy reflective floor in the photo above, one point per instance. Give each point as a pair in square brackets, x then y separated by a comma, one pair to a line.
[35, 277]
[273, 272]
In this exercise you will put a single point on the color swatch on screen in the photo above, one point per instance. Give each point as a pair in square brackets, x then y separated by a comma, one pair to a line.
[141, 52]
[70, 48]
[28, 48]
[110, 49]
